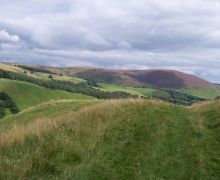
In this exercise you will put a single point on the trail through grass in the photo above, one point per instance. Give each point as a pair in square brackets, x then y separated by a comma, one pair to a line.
[118, 139]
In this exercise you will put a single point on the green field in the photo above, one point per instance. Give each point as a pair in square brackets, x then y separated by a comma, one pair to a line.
[131, 90]
[203, 93]
[26, 95]
[114, 139]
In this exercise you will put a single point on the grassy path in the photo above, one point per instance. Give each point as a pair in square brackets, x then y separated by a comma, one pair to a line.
[118, 140]
[153, 143]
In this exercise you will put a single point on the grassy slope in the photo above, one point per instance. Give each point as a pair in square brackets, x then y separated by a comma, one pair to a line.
[50, 110]
[131, 90]
[26, 95]
[9, 68]
[40, 75]
[204, 93]
[113, 140]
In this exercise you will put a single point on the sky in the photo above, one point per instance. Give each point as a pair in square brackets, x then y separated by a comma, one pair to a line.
[117, 34]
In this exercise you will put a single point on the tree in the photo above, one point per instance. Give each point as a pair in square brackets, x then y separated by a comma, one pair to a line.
[2, 109]
[92, 83]
[50, 76]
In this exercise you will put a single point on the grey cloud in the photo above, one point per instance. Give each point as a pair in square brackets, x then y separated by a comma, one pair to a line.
[182, 35]
[6, 37]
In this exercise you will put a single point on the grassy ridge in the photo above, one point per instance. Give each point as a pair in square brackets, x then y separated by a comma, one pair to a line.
[10, 68]
[39, 75]
[26, 95]
[117, 139]
[50, 110]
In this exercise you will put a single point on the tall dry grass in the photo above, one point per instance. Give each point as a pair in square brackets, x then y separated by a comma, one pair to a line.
[17, 132]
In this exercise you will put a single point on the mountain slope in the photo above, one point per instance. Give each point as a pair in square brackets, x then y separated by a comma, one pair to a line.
[169, 79]
[26, 95]
[155, 78]
[123, 139]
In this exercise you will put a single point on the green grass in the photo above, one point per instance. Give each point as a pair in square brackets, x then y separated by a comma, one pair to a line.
[26, 95]
[118, 139]
[130, 90]
[50, 109]
[203, 93]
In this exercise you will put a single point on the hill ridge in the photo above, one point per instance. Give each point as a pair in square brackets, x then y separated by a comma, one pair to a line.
[157, 78]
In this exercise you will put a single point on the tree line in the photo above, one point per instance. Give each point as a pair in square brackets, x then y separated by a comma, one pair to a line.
[176, 97]
[81, 88]
[7, 102]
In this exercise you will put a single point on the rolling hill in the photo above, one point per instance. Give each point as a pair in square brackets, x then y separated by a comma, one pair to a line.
[115, 139]
[135, 82]
[154, 78]
[38, 72]
[169, 79]
[26, 95]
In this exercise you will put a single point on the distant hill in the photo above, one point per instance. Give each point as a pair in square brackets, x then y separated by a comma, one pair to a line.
[155, 78]
[169, 79]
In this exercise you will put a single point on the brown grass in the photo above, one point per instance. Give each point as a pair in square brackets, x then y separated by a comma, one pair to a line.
[10, 68]
[17, 132]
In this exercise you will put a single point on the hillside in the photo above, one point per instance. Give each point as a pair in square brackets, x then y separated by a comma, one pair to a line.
[26, 95]
[38, 72]
[135, 82]
[117, 139]
[169, 79]
[203, 93]
[155, 78]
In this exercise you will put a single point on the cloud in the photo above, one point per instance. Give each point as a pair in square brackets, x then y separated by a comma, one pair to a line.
[95, 39]
[6, 37]
[173, 34]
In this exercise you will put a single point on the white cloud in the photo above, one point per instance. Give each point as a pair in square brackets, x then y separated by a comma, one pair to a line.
[6, 37]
